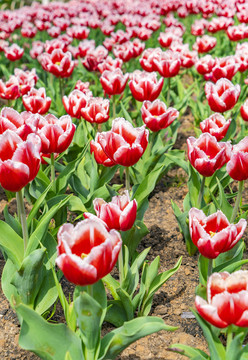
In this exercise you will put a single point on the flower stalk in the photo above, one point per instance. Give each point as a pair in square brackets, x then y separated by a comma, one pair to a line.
[22, 217]
[237, 202]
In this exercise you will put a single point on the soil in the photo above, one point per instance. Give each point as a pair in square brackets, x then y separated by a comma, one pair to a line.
[174, 299]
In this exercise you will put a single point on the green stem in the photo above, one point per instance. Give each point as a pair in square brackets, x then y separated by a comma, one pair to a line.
[22, 217]
[114, 107]
[127, 179]
[121, 268]
[238, 199]
[200, 196]
[229, 337]
[168, 92]
[210, 267]
[61, 88]
[90, 290]
[53, 172]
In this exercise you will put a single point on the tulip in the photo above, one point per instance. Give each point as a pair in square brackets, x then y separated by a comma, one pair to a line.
[14, 52]
[36, 101]
[19, 160]
[206, 155]
[237, 166]
[85, 46]
[227, 302]
[244, 110]
[96, 110]
[119, 214]
[205, 65]
[110, 64]
[29, 31]
[87, 252]
[216, 125]
[204, 44]
[27, 79]
[148, 57]
[78, 32]
[51, 45]
[94, 58]
[214, 235]
[156, 116]
[144, 86]
[37, 49]
[100, 156]
[168, 65]
[123, 144]
[10, 119]
[222, 96]
[225, 68]
[188, 58]
[113, 81]
[55, 134]
[10, 90]
[165, 39]
[74, 103]
[123, 51]
[58, 63]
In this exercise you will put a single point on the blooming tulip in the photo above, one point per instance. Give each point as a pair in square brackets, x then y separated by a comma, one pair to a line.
[113, 81]
[222, 96]
[96, 110]
[87, 252]
[204, 44]
[14, 52]
[10, 90]
[206, 154]
[168, 65]
[244, 110]
[237, 166]
[27, 79]
[123, 144]
[214, 234]
[144, 86]
[226, 303]
[19, 160]
[55, 134]
[156, 116]
[110, 64]
[205, 64]
[36, 101]
[148, 57]
[100, 156]
[58, 63]
[216, 125]
[74, 103]
[225, 68]
[119, 214]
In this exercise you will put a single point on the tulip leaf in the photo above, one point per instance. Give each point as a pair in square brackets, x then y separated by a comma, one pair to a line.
[28, 278]
[126, 302]
[144, 189]
[133, 237]
[217, 350]
[203, 269]
[230, 257]
[194, 184]
[181, 218]
[112, 285]
[89, 314]
[11, 243]
[190, 352]
[235, 350]
[117, 340]
[177, 160]
[48, 341]
[9, 290]
[39, 232]
[125, 113]
[116, 314]
[37, 205]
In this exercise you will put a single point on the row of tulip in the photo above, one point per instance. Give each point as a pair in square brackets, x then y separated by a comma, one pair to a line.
[131, 133]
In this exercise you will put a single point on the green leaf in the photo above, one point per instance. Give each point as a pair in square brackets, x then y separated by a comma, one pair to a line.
[112, 285]
[132, 237]
[180, 162]
[147, 186]
[89, 314]
[203, 269]
[217, 350]
[194, 184]
[48, 341]
[117, 340]
[126, 302]
[235, 350]
[11, 243]
[125, 113]
[39, 232]
[158, 281]
[9, 290]
[12, 222]
[190, 352]
[28, 278]
[37, 205]
[116, 314]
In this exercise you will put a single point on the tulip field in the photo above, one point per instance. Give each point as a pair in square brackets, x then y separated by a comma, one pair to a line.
[123, 168]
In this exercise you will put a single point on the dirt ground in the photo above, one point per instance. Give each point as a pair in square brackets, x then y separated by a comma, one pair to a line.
[172, 302]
